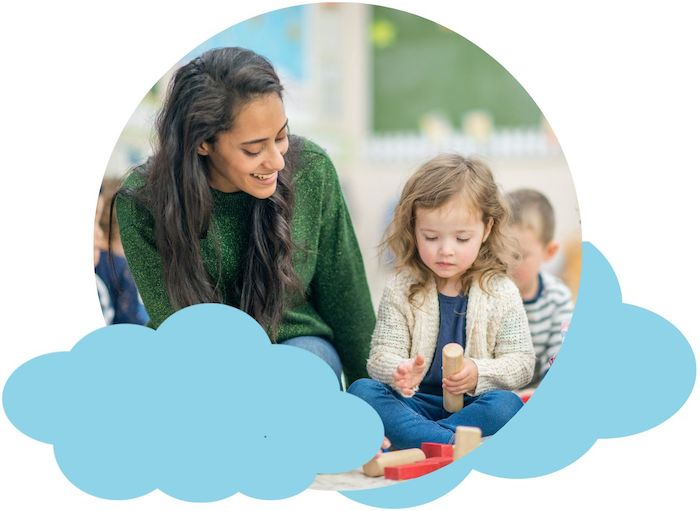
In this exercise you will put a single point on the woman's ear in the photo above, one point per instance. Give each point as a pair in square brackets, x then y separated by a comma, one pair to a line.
[203, 149]
[487, 231]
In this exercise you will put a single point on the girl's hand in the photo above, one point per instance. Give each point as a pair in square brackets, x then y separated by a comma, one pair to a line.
[408, 375]
[463, 381]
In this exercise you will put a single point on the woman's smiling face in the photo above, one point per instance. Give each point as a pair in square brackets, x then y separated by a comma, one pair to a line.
[248, 157]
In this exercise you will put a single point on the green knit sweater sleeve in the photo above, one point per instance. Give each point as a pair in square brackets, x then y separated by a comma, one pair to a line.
[136, 231]
[337, 302]
[339, 290]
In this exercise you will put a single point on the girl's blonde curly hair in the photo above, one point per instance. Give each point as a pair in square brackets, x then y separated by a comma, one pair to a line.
[436, 182]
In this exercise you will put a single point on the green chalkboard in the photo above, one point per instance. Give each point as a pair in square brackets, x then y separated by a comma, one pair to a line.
[419, 66]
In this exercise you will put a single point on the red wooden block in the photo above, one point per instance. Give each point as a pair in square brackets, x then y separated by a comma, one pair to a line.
[412, 470]
[435, 450]
[526, 395]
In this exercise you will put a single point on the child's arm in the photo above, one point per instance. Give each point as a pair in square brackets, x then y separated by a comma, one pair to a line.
[561, 317]
[391, 341]
[513, 363]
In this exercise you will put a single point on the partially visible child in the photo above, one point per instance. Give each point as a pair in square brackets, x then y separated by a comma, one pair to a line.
[450, 256]
[119, 298]
[546, 298]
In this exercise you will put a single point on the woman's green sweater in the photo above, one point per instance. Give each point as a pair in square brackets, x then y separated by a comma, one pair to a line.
[337, 305]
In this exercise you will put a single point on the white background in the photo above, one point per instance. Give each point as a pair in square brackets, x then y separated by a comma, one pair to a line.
[617, 81]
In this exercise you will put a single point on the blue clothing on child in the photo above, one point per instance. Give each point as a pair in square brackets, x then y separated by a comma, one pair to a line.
[408, 422]
[453, 325]
[422, 418]
[117, 291]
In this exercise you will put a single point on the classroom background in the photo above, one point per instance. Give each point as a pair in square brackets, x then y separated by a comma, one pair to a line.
[382, 91]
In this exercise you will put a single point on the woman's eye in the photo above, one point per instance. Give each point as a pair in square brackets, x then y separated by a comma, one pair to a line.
[463, 240]
[250, 153]
[430, 238]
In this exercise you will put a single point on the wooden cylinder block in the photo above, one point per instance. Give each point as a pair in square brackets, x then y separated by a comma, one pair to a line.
[376, 466]
[452, 362]
[466, 440]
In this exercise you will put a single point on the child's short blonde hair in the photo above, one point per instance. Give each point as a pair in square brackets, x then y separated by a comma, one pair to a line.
[531, 209]
[434, 184]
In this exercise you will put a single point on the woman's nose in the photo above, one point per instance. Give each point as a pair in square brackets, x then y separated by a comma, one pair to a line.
[275, 160]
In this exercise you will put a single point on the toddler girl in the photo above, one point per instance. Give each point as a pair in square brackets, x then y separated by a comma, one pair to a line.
[450, 256]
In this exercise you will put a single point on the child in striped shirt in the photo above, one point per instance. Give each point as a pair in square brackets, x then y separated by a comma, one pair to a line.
[547, 300]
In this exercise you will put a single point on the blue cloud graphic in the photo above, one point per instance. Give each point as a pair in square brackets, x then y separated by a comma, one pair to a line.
[621, 371]
[202, 408]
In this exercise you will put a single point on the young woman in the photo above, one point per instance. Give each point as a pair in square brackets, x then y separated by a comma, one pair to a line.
[233, 209]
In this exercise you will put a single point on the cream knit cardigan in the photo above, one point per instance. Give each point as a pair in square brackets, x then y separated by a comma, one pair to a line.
[497, 333]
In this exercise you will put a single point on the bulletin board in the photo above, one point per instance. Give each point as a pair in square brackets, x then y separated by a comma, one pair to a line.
[419, 66]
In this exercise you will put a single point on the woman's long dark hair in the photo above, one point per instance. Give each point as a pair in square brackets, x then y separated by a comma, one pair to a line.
[203, 98]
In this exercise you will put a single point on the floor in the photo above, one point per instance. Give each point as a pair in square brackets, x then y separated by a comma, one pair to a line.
[353, 480]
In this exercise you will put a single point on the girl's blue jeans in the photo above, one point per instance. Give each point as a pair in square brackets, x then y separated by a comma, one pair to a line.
[320, 347]
[410, 421]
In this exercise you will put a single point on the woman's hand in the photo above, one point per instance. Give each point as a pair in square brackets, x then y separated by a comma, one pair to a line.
[464, 380]
[408, 375]
[385, 445]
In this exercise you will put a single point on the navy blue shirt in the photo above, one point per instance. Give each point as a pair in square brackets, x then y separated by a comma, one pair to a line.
[453, 321]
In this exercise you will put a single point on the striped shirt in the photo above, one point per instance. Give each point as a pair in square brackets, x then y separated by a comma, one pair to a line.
[548, 314]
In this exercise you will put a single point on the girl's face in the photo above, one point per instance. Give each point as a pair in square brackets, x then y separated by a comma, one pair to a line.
[249, 156]
[448, 240]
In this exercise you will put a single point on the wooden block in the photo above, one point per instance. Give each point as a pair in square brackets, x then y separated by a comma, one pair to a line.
[466, 440]
[452, 362]
[376, 466]
[435, 450]
[525, 395]
[403, 472]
